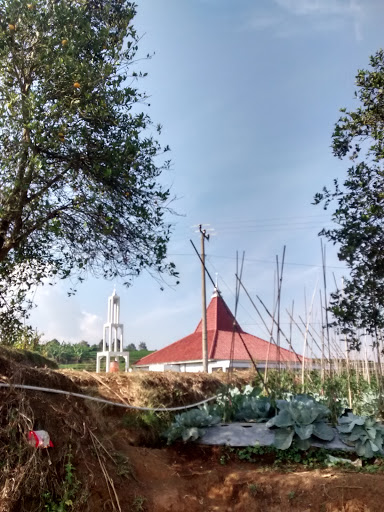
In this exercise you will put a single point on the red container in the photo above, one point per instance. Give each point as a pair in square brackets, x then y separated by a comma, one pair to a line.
[114, 366]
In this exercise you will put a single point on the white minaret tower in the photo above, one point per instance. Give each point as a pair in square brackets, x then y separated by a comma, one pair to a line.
[112, 336]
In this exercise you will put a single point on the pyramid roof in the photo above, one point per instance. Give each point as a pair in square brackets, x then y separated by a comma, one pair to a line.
[221, 335]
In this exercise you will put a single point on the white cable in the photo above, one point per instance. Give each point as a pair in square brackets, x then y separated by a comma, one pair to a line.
[95, 399]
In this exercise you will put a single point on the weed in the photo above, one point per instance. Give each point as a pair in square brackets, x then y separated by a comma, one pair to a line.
[70, 488]
[253, 489]
[310, 458]
[291, 495]
[226, 453]
[123, 465]
[138, 504]
[151, 424]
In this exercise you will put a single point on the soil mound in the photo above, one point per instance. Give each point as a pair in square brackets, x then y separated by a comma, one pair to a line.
[156, 389]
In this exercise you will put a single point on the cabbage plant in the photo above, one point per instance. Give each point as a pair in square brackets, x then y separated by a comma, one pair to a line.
[364, 434]
[228, 404]
[189, 425]
[299, 420]
[255, 409]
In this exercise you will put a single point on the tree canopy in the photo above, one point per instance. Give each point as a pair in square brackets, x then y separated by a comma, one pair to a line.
[79, 167]
[359, 213]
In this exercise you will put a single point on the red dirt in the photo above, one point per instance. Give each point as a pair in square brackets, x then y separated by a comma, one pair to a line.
[171, 480]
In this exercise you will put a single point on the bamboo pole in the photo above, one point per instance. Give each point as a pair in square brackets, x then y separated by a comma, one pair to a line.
[280, 282]
[335, 347]
[305, 340]
[291, 325]
[366, 362]
[323, 257]
[300, 330]
[270, 315]
[379, 368]
[348, 373]
[272, 326]
[346, 354]
[281, 331]
[322, 339]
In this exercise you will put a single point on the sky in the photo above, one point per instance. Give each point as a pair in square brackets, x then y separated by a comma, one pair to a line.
[248, 93]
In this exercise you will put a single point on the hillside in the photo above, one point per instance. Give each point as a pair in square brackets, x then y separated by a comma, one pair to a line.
[108, 459]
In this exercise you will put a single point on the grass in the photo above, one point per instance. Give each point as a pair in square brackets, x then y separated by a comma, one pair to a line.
[26, 357]
[90, 365]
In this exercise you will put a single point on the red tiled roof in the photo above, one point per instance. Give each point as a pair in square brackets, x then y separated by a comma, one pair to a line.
[219, 338]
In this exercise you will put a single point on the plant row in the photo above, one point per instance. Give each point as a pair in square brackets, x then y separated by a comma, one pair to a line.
[297, 419]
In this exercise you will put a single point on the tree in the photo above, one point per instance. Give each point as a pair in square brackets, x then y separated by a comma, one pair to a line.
[51, 349]
[131, 346]
[80, 351]
[359, 214]
[79, 168]
[28, 340]
[143, 345]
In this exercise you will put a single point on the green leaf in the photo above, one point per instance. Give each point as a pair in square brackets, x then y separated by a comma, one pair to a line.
[283, 438]
[364, 449]
[303, 444]
[192, 433]
[323, 431]
[305, 431]
[283, 419]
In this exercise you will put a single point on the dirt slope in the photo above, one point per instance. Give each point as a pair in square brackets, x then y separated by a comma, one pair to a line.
[175, 481]
[112, 470]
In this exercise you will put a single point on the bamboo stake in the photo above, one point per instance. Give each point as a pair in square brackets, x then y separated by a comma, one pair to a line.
[379, 369]
[270, 315]
[290, 326]
[280, 282]
[322, 339]
[337, 350]
[366, 362]
[357, 370]
[348, 373]
[323, 257]
[237, 296]
[281, 331]
[305, 340]
[346, 355]
[272, 327]
[300, 330]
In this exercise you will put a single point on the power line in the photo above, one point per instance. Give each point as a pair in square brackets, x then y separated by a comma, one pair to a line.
[255, 224]
[255, 260]
[317, 218]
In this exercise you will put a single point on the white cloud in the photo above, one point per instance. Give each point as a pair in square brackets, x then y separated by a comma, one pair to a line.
[291, 18]
[322, 7]
[59, 316]
[90, 326]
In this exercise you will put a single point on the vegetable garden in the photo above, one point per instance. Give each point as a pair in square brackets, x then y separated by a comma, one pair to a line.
[297, 419]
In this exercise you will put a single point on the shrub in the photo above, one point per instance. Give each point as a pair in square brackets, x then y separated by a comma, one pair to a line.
[188, 425]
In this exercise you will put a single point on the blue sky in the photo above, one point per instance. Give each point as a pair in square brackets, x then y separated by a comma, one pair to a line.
[248, 93]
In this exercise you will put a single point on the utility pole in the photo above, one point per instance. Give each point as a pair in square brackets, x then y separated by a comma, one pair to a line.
[204, 236]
